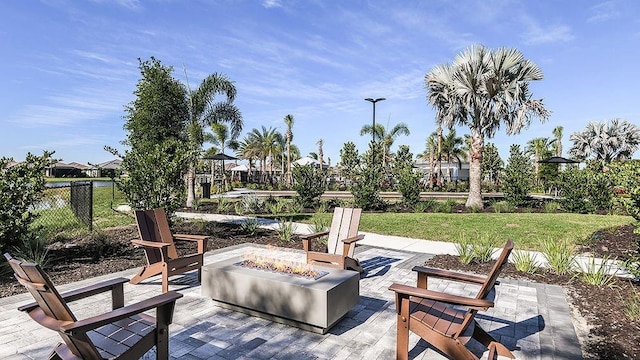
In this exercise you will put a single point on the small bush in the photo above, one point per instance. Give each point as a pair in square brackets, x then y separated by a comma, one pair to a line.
[409, 186]
[250, 226]
[320, 225]
[525, 262]
[224, 205]
[632, 309]
[503, 207]
[597, 275]
[251, 204]
[551, 207]
[559, 255]
[446, 206]
[465, 249]
[286, 230]
[483, 248]
[33, 249]
[277, 207]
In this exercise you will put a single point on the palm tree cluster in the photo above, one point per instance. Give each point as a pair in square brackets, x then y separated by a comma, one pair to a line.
[483, 89]
[606, 141]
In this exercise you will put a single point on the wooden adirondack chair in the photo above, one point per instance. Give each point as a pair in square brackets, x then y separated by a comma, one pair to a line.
[432, 316]
[123, 333]
[341, 243]
[160, 250]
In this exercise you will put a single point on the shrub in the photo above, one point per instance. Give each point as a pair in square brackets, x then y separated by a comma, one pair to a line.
[309, 182]
[559, 255]
[33, 249]
[517, 177]
[365, 189]
[223, 205]
[626, 178]
[525, 262]
[465, 249]
[483, 248]
[250, 226]
[320, 225]
[597, 275]
[250, 204]
[422, 206]
[551, 207]
[277, 207]
[286, 230]
[503, 207]
[409, 186]
[632, 309]
[446, 206]
[22, 186]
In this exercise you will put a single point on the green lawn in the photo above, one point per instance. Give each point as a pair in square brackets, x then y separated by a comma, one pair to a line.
[526, 229]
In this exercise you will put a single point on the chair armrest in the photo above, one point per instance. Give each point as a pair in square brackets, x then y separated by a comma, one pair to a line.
[478, 304]
[94, 322]
[146, 243]
[353, 239]
[189, 237]
[314, 235]
[450, 275]
[83, 292]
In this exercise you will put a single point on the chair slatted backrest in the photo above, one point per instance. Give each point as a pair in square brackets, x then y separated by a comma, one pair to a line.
[51, 304]
[488, 285]
[154, 226]
[344, 225]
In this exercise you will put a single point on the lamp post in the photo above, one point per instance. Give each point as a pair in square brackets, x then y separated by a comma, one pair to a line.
[373, 129]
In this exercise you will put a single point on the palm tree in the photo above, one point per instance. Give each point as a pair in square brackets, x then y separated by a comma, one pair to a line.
[221, 138]
[266, 140]
[614, 140]
[429, 154]
[388, 137]
[250, 150]
[289, 120]
[557, 133]
[204, 110]
[452, 147]
[484, 89]
[537, 147]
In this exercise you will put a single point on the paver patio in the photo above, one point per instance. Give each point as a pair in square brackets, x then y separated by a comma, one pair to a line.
[532, 320]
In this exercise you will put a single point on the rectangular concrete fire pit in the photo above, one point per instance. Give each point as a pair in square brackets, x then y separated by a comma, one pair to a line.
[313, 305]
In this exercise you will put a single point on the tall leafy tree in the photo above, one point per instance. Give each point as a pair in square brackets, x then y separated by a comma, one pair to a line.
[349, 160]
[492, 164]
[211, 103]
[156, 124]
[614, 140]
[483, 89]
[517, 182]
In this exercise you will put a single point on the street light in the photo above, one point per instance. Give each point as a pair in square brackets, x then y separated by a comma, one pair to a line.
[373, 129]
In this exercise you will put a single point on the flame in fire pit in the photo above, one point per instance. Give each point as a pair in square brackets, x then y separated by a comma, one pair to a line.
[263, 262]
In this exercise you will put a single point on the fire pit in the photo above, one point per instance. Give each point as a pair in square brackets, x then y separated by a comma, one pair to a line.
[310, 303]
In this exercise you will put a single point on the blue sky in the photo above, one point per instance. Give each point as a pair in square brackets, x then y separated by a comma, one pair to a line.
[69, 67]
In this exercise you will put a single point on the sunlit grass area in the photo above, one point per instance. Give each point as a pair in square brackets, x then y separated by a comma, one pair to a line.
[528, 230]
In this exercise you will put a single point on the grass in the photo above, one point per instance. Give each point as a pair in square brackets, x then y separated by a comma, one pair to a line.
[528, 230]
[53, 180]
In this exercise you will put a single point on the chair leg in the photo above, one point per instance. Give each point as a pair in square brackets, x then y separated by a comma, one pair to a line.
[147, 272]
[162, 346]
[487, 340]
[402, 341]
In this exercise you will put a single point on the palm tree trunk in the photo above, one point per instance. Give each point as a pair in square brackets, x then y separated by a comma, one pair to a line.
[191, 195]
[439, 154]
[289, 180]
[475, 170]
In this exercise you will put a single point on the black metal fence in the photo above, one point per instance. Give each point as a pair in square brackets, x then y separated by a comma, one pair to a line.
[66, 207]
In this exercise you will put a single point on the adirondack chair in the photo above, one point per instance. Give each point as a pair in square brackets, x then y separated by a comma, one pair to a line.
[123, 333]
[160, 251]
[341, 244]
[432, 314]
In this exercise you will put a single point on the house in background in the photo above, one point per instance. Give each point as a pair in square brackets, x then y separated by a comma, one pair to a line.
[105, 169]
[450, 171]
[72, 169]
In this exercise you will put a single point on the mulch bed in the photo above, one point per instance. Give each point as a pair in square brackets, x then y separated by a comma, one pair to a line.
[612, 335]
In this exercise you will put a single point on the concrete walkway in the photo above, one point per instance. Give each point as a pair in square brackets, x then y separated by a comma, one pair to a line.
[532, 320]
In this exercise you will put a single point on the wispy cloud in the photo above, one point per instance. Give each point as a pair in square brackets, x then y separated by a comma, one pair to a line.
[69, 140]
[272, 4]
[537, 34]
[604, 12]
[129, 4]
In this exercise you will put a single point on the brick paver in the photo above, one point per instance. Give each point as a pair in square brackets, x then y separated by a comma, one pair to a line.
[533, 320]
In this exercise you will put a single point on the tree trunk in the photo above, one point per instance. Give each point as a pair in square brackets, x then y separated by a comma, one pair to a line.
[191, 194]
[289, 180]
[475, 170]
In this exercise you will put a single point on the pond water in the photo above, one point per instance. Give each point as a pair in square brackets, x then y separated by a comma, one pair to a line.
[100, 183]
